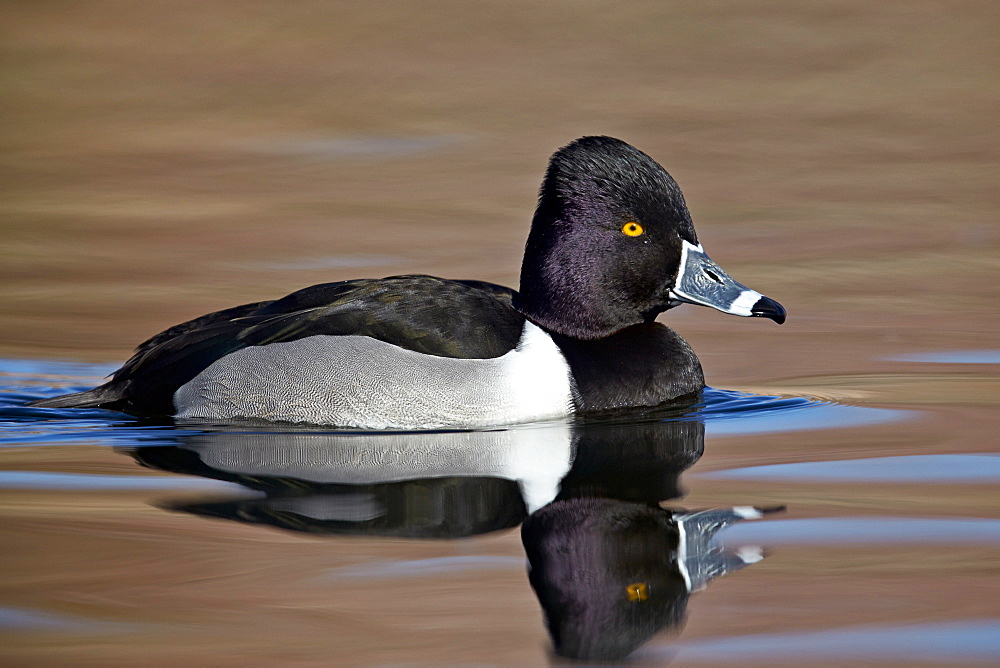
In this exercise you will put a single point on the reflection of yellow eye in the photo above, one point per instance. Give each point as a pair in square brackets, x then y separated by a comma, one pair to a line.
[637, 591]
[632, 228]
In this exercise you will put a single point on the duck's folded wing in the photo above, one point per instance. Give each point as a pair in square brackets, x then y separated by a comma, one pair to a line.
[462, 319]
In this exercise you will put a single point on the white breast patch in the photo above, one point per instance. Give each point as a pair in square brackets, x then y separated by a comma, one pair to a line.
[358, 381]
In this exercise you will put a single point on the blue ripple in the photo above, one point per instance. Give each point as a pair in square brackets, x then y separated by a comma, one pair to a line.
[952, 468]
[730, 413]
[846, 531]
[951, 357]
[20, 619]
[945, 642]
[89, 481]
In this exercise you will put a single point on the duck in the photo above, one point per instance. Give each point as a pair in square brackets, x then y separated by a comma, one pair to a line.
[611, 246]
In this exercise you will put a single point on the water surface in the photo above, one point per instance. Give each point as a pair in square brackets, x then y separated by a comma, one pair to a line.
[363, 492]
[159, 164]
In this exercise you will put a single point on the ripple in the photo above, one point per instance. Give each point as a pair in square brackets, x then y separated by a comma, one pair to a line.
[731, 413]
[946, 642]
[951, 357]
[951, 468]
[843, 531]
[91, 481]
[53, 368]
[421, 567]
[20, 619]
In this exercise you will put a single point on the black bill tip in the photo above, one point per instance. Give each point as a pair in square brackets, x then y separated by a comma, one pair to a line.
[768, 308]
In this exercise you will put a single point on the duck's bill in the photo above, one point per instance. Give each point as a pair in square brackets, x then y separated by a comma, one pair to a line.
[701, 281]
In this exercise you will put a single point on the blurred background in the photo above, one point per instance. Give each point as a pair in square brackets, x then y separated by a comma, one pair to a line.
[160, 160]
[165, 159]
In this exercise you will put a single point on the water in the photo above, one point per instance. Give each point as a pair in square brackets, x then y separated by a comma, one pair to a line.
[160, 164]
[961, 643]
[455, 500]
[953, 357]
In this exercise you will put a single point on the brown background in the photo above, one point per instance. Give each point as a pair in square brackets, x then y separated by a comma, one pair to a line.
[164, 159]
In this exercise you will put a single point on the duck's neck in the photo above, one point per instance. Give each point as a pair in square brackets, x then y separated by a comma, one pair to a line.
[564, 291]
[568, 317]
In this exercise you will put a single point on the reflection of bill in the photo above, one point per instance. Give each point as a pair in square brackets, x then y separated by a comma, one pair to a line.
[611, 567]
[608, 564]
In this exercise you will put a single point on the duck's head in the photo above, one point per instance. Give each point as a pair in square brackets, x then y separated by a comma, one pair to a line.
[612, 245]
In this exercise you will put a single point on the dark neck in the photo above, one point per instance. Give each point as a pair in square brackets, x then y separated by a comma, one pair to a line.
[642, 365]
[559, 313]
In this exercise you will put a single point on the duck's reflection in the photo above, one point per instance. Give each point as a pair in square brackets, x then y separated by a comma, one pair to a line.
[407, 484]
[609, 565]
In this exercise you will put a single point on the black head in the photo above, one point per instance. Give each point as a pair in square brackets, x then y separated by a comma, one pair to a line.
[606, 242]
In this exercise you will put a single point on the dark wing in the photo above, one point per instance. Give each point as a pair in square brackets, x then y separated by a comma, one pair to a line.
[463, 319]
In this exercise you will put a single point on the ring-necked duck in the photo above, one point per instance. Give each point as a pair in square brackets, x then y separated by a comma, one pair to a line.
[611, 246]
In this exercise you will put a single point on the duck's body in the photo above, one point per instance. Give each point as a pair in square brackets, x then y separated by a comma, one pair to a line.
[611, 246]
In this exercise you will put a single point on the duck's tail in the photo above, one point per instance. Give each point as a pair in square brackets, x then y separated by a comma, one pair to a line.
[99, 397]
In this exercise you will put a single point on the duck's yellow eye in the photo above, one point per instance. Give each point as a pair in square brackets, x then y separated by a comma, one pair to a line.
[632, 228]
